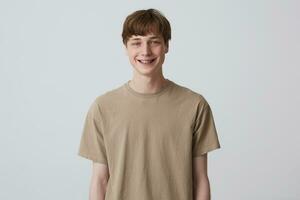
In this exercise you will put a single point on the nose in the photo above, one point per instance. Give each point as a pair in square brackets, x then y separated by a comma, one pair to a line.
[146, 50]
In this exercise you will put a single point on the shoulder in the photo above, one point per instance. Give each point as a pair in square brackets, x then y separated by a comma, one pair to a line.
[109, 97]
[190, 95]
[106, 103]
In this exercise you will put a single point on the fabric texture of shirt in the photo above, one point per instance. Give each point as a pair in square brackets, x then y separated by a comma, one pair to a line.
[148, 141]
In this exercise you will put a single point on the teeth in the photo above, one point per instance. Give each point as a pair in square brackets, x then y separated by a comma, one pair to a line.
[146, 61]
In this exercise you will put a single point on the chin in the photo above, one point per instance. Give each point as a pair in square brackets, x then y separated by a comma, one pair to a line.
[146, 72]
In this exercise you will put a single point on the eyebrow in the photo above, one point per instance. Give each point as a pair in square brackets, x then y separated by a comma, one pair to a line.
[153, 37]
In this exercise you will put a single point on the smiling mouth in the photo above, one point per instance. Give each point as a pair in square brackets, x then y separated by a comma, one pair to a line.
[146, 61]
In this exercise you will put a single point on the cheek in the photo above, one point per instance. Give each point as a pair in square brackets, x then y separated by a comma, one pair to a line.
[158, 51]
[131, 55]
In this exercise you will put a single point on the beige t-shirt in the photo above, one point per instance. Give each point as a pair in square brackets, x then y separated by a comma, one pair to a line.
[148, 141]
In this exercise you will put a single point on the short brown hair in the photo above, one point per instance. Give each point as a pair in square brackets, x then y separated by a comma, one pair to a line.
[142, 22]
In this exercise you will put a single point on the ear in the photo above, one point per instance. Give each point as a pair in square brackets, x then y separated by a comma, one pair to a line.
[125, 49]
[167, 49]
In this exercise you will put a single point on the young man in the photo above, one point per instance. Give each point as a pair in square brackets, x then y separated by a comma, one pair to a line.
[148, 138]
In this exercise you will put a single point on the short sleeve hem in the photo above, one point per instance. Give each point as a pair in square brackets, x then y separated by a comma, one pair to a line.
[205, 137]
[207, 149]
[92, 158]
[92, 144]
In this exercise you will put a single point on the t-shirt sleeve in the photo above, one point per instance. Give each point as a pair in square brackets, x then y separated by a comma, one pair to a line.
[205, 136]
[92, 145]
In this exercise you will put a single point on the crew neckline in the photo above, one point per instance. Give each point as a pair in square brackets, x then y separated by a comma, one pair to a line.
[148, 95]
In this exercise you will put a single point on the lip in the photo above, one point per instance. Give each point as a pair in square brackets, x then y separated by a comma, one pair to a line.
[153, 59]
[146, 59]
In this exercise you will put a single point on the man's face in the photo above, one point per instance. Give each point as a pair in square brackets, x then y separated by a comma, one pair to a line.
[146, 53]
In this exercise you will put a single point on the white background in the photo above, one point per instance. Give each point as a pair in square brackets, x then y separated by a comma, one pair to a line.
[56, 57]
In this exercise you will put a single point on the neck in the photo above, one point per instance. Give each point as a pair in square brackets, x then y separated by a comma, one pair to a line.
[148, 85]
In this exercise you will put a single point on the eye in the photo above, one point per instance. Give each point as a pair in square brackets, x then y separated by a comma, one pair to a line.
[135, 44]
[156, 42]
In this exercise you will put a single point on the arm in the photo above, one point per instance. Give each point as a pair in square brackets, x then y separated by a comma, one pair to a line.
[99, 180]
[200, 178]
